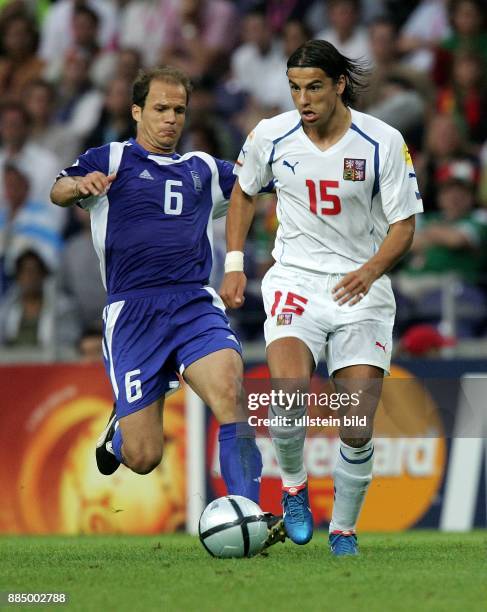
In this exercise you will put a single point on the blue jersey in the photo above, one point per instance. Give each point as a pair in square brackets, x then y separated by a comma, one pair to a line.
[153, 226]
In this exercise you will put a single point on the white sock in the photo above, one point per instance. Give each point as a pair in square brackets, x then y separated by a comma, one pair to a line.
[288, 443]
[352, 476]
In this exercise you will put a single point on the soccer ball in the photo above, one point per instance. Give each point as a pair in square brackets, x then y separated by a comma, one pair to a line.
[233, 526]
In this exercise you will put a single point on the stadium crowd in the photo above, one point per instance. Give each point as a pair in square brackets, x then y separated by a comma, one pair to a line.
[66, 69]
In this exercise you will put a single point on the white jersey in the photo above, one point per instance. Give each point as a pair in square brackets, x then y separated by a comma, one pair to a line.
[335, 206]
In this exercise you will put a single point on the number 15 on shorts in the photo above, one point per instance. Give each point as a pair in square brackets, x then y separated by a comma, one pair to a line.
[133, 386]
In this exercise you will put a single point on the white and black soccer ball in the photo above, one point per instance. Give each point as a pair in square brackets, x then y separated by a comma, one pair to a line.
[233, 526]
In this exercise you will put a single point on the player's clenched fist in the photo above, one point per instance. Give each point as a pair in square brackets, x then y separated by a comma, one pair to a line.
[232, 289]
[93, 184]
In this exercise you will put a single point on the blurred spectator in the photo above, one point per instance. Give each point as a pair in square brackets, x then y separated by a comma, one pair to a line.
[401, 106]
[202, 137]
[85, 28]
[386, 64]
[19, 63]
[317, 18]
[25, 223]
[33, 313]
[200, 33]
[294, 34]
[281, 12]
[483, 175]
[57, 32]
[468, 21]
[128, 63]
[90, 345]
[396, 93]
[35, 8]
[423, 340]
[206, 111]
[40, 103]
[78, 103]
[344, 30]
[444, 151]
[452, 240]
[115, 123]
[261, 60]
[466, 97]
[39, 164]
[80, 273]
[143, 26]
[425, 27]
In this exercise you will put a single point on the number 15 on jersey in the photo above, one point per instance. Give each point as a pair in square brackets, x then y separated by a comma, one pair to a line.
[334, 206]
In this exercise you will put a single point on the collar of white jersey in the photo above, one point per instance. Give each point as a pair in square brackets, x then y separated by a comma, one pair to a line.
[138, 148]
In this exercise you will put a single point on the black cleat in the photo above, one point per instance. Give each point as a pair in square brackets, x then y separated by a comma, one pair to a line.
[277, 533]
[105, 459]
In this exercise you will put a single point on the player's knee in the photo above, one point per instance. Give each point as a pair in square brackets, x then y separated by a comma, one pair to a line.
[227, 399]
[142, 459]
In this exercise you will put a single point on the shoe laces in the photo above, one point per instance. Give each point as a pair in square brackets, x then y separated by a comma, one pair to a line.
[345, 543]
[296, 505]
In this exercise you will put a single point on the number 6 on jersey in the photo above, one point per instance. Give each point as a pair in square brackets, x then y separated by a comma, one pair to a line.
[173, 200]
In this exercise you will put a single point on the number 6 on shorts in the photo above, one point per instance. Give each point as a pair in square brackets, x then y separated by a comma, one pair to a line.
[133, 388]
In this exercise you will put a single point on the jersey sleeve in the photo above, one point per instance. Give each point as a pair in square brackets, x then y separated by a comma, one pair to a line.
[226, 180]
[398, 184]
[252, 167]
[94, 160]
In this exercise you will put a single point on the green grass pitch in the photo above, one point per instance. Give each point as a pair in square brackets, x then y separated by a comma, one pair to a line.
[412, 571]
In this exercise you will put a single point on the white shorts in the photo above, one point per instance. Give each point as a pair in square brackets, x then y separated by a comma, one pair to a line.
[301, 305]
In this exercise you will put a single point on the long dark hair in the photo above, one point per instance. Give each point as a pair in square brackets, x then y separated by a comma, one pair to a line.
[322, 54]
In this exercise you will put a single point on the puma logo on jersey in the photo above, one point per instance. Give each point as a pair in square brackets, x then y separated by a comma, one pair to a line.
[145, 174]
[382, 346]
[292, 166]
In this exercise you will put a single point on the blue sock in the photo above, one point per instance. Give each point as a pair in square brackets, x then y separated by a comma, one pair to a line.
[117, 444]
[240, 460]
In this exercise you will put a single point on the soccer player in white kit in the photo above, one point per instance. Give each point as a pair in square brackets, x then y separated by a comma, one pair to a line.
[347, 199]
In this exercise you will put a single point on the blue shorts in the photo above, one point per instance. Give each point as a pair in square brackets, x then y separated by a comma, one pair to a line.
[152, 334]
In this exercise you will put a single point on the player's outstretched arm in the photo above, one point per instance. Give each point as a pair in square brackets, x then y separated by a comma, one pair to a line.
[397, 243]
[70, 189]
[239, 218]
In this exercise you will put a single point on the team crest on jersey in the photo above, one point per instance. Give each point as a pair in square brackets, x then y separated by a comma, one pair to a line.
[353, 169]
[196, 181]
[284, 319]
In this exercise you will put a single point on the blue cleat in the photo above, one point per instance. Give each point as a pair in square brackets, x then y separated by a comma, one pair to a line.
[343, 543]
[298, 520]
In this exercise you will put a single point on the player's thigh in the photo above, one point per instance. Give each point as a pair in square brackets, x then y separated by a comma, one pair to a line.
[217, 378]
[138, 353]
[293, 323]
[142, 434]
[360, 343]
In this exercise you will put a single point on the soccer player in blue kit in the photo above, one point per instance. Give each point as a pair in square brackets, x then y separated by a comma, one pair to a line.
[151, 212]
